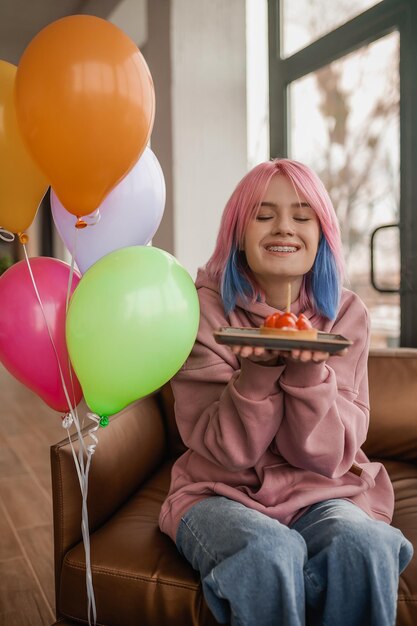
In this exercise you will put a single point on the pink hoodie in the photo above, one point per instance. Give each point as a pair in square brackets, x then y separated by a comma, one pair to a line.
[276, 439]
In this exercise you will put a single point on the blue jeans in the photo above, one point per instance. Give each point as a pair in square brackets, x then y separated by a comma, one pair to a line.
[335, 566]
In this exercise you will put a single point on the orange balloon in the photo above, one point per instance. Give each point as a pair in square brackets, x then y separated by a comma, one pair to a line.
[85, 103]
[22, 184]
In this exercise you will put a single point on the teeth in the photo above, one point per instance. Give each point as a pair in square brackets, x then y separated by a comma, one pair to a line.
[282, 249]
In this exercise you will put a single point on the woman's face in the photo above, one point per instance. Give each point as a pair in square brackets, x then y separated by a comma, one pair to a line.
[281, 241]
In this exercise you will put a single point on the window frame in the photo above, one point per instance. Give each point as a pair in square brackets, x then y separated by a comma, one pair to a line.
[372, 24]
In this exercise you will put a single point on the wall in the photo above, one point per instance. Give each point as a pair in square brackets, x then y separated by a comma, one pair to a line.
[201, 105]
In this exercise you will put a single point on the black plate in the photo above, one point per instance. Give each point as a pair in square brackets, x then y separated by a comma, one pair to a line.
[325, 342]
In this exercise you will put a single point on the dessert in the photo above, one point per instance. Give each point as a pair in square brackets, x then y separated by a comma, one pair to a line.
[289, 326]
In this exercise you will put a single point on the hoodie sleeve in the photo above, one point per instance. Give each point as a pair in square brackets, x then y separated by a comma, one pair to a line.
[226, 412]
[326, 406]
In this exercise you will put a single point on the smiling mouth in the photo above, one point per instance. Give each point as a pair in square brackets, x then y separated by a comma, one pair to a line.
[281, 248]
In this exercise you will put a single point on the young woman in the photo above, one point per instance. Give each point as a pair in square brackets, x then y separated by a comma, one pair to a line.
[274, 502]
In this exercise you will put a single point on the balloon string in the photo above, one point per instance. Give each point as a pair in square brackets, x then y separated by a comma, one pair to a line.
[74, 417]
[92, 447]
[86, 535]
[6, 235]
[70, 279]
[73, 414]
[71, 410]
[79, 463]
[71, 275]
[82, 447]
[89, 450]
[67, 424]
[83, 480]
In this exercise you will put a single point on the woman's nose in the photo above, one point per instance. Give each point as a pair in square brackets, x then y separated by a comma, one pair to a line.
[283, 226]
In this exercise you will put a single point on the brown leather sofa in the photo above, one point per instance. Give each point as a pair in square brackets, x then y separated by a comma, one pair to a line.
[139, 578]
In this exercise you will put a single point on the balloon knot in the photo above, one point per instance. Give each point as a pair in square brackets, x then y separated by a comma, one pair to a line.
[67, 421]
[23, 238]
[104, 421]
[80, 223]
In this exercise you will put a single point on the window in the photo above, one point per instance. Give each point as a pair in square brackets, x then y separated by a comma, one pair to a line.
[304, 21]
[344, 123]
[344, 105]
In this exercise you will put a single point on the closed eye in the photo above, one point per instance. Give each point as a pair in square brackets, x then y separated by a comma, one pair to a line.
[302, 219]
[263, 218]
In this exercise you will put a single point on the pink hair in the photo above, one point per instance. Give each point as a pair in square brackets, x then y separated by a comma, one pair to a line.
[245, 201]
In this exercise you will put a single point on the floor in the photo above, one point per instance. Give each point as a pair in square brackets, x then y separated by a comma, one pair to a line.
[27, 429]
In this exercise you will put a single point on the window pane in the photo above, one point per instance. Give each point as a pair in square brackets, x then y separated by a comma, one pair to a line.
[345, 125]
[304, 21]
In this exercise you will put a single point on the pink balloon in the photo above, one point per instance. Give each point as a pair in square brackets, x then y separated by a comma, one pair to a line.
[26, 349]
[129, 215]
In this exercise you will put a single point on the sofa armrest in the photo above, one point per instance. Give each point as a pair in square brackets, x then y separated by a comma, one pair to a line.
[129, 449]
[393, 401]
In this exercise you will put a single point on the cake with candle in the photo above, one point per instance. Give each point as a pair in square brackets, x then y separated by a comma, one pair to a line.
[288, 326]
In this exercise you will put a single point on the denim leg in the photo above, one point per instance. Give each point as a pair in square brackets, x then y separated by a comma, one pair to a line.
[251, 566]
[354, 562]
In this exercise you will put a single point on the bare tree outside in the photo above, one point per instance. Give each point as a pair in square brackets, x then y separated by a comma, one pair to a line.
[361, 180]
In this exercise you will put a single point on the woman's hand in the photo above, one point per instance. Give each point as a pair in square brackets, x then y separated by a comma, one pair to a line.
[316, 356]
[305, 356]
[258, 354]
[261, 355]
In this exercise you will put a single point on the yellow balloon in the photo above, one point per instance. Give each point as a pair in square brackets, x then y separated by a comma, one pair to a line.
[22, 184]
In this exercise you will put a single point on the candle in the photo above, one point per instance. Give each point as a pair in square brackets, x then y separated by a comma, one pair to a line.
[289, 298]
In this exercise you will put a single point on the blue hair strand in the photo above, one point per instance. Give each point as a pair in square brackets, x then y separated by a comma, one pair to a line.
[234, 283]
[325, 281]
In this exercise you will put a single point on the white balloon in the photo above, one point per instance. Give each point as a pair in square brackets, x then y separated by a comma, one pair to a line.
[130, 215]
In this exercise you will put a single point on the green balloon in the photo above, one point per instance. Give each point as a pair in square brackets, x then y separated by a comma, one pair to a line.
[131, 324]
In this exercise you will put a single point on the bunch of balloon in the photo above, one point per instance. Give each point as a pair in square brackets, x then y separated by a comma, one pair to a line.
[77, 114]
[85, 105]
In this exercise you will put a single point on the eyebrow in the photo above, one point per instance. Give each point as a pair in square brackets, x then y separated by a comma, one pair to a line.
[294, 205]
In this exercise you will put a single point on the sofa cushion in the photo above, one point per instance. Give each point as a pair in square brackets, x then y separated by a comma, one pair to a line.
[166, 400]
[138, 576]
[140, 579]
[392, 394]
